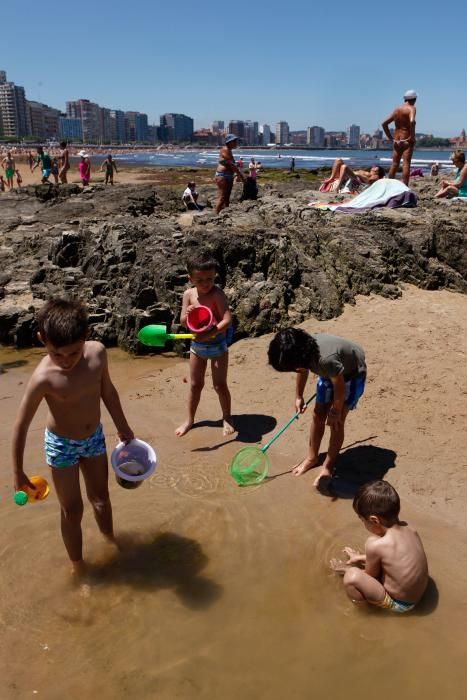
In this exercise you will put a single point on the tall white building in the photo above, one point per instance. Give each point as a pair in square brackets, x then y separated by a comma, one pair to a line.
[265, 130]
[353, 136]
[282, 133]
[14, 113]
[315, 136]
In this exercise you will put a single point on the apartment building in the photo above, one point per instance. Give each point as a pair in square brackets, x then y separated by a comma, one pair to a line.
[282, 133]
[14, 115]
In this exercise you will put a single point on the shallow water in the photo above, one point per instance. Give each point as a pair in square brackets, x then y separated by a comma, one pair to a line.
[219, 592]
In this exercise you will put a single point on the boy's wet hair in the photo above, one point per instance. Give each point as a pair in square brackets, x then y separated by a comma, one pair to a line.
[202, 261]
[291, 349]
[378, 498]
[63, 144]
[63, 322]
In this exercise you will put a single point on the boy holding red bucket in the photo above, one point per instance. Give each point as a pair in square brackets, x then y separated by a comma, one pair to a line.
[210, 343]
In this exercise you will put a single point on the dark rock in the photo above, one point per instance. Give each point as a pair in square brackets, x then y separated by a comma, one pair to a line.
[280, 262]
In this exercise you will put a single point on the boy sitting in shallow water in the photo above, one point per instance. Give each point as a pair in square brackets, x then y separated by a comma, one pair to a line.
[72, 378]
[211, 345]
[393, 572]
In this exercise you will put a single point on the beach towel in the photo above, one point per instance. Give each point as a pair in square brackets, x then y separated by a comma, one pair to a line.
[383, 193]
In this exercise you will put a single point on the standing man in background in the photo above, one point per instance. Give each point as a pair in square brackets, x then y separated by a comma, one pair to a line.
[64, 161]
[403, 140]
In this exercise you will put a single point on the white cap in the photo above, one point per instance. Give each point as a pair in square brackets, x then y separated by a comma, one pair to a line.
[83, 154]
[410, 95]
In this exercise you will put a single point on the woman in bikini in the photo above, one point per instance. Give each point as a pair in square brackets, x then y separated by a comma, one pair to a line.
[226, 169]
[458, 186]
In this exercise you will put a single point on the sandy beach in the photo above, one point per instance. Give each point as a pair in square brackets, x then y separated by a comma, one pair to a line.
[225, 592]
[124, 176]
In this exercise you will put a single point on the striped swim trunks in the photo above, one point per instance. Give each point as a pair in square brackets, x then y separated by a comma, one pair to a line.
[397, 606]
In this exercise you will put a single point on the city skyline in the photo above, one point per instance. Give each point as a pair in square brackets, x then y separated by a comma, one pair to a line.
[155, 122]
[308, 65]
[90, 122]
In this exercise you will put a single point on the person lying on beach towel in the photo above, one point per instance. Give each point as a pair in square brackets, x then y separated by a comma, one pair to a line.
[383, 193]
[344, 179]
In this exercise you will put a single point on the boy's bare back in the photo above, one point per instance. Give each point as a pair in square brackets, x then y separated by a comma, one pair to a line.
[402, 561]
[73, 397]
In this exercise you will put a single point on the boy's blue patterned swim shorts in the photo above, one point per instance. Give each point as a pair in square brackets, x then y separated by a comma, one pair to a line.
[354, 389]
[63, 452]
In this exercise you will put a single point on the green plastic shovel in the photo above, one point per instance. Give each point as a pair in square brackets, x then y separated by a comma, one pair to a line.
[157, 336]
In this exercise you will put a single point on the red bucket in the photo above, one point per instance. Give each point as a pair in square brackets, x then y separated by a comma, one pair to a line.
[200, 319]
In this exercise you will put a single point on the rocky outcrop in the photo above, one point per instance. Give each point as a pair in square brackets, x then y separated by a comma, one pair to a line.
[123, 250]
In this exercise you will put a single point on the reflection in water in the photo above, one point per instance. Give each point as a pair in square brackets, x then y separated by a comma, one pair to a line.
[164, 560]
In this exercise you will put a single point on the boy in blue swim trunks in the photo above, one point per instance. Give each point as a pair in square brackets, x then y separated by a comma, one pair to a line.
[72, 378]
[393, 572]
[211, 345]
[341, 369]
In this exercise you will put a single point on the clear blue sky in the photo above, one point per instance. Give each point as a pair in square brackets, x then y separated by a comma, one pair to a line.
[325, 63]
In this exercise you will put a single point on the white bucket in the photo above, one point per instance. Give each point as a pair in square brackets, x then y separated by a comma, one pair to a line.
[134, 461]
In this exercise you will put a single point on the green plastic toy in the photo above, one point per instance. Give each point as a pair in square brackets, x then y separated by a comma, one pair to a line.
[157, 336]
[250, 465]
[21, 498]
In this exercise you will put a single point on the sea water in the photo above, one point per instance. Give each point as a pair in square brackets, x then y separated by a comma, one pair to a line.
[281, 159]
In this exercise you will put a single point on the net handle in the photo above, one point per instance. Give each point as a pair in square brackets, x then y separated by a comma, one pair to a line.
[291, 420]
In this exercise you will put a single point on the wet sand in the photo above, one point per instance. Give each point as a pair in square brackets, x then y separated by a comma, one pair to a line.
[126, 175]
[223, 592]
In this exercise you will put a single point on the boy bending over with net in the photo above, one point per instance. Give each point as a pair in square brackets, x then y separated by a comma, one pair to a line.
[393, 572]
[72, 378]
[211, 345]
[341, 369]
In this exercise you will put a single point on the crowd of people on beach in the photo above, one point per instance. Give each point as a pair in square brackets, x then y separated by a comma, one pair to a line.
[53, 163]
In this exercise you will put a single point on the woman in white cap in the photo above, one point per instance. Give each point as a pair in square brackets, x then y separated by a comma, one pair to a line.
[226, 169]
[403, 140]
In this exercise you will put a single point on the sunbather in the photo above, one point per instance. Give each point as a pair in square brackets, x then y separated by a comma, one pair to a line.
[344, 179]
